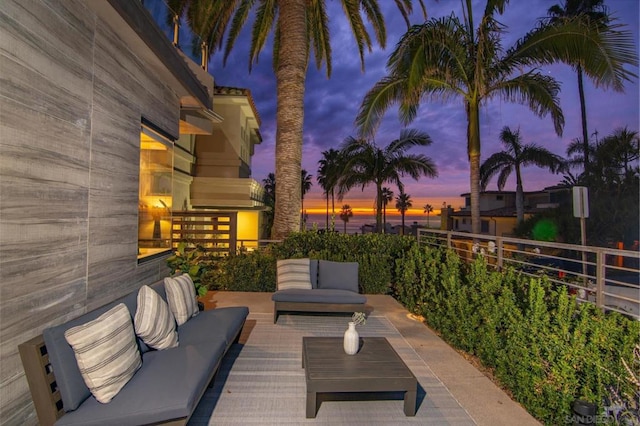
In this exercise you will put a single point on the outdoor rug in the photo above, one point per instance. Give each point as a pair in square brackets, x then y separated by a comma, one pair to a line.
[261, 380]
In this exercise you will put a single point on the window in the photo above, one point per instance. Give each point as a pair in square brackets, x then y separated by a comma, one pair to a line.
[484, 226]
[155, 193]
[499, 197]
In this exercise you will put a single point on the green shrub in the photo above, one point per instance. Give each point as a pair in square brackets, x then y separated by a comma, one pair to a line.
[542, 345]
[252, 271]
[375, 254]
[196, 262]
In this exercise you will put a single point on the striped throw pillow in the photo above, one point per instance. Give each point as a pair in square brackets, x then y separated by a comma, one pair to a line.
[153, 322]
[106, 352]
[294, 273]
[181, 295]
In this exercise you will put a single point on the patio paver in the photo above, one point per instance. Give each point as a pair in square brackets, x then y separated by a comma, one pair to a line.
[486, 403]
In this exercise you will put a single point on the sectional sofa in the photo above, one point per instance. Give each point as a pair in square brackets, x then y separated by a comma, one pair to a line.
[168, 371]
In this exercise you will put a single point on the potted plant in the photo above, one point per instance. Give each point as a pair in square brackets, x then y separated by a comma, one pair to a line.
[195, 262]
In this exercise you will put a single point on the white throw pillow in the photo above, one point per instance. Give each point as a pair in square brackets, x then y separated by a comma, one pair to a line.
[294, 273]
[106, 352]
[181, 295]
[154, 323]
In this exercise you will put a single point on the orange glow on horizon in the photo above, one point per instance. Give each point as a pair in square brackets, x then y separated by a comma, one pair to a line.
[367, 211]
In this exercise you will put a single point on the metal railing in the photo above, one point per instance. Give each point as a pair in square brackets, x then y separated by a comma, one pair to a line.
[607, 277]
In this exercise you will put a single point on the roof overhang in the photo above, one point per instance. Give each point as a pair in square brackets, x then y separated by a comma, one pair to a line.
[137, 28]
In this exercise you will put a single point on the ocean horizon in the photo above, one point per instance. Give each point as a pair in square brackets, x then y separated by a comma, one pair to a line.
[358, 220]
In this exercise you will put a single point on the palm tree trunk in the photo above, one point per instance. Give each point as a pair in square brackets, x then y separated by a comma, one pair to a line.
[519, 197]
[583, 113]
[474, 163]
[402, 232]
[327, 227]
[333, 210]
[302, 213]
[290, 79]
[379, 207]
[384, 218]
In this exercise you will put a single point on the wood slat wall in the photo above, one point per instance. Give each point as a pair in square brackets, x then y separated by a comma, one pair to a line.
[71, 100]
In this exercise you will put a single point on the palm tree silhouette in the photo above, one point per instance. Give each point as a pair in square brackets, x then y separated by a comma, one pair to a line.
[365, 163]
[589, 10]
[387, 196]
[305, 186]
[299, 27]
[403, 203]
[328, 174]
[428, 208]
[513, 159]
[269, 184]
[345, 214]
[447, 58]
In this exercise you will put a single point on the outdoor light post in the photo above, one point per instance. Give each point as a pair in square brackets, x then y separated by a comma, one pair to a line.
[581, 210]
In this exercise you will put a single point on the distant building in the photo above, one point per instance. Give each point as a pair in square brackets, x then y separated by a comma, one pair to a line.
[222, 180]
[498, 210]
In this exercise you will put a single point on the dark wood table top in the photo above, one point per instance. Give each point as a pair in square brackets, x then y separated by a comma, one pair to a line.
[324, 359]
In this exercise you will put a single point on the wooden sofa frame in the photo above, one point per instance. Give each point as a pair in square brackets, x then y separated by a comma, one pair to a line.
[279, 307]
[44, 389]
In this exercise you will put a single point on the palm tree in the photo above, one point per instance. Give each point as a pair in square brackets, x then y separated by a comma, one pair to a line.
[269, 184]
[328, 174]
[305, 186]
[513, 159]
[387, 196]
[448, 58]
[623, 148]
[428, 208]
[590, 10]
[300, 27]
[345, 214]
[403, 203]
[365, 163]
[576, 153]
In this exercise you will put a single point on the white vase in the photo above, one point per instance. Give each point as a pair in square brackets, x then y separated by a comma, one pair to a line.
[351, 339]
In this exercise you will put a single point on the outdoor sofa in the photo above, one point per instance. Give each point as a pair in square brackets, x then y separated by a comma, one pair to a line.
[310, 285]
[168, 383]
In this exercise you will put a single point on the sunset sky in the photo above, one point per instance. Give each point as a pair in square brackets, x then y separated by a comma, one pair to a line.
[331, 105]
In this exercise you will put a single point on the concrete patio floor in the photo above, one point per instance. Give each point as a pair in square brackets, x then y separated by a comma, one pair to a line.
[485, 402]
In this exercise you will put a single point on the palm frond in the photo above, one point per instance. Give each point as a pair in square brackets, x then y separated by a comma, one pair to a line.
[534, 155]
[602, 52]
[384, 93]
[539, 92]
[265, 19]
[492, 166]
[318, 27]
[371, 9]
[237, 23]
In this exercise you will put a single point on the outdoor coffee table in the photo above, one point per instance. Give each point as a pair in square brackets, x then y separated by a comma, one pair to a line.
[376, 367]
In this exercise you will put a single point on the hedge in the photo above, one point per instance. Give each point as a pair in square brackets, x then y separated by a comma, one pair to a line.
[543, 346]
[256, 271]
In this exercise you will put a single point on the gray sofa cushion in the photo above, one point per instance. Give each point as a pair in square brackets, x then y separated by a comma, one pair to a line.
[338, 275]
[223, 323]
[318, 296]
[168, 386]
[73, 390]
[313, 272]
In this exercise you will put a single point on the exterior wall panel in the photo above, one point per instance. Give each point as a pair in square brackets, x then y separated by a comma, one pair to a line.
[72, 95]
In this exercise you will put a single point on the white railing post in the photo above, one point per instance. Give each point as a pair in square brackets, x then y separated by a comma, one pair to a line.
[500, 248]
[600, 274]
